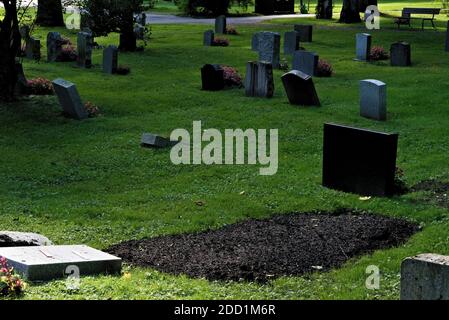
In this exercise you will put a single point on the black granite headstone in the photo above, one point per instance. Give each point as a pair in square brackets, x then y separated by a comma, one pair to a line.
[212, 76]
[150, 140]
[305, 32]
[400, 54]
[359, 161]
[300, 88]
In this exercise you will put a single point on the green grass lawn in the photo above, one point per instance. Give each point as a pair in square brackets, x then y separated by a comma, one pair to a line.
[90, 182]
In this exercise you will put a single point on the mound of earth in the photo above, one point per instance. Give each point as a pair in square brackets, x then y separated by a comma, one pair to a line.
[258, 250]
[437, 190]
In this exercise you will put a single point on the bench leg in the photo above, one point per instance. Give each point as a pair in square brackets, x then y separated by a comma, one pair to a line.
[433, 25]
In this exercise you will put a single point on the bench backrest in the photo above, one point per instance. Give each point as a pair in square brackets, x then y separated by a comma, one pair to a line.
[407, 11]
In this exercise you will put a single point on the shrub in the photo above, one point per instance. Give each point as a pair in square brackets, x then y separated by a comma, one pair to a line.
[378, 53]
[92, 110]
[232, 77]
[10, 283]
[204, 7]
[40, 86]
[68, 53]
[220, 42]
[324, 68]
[232, 31]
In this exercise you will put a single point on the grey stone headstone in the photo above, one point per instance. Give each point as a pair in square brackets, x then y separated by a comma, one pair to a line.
[400, 54]
[306, 62]
[447, 37]
[85, 43]
[259, 80]
[373, 99]
[425, 277]
[300, 89]
[268, 44]
[363, 46]
[51, 262]
[150, 140]
[54, 46]
[110, 59]
[291, 42]
[305, 32]
[69, 99]
[22, 239]
[220, 25]
[33, 49]
[208, 39]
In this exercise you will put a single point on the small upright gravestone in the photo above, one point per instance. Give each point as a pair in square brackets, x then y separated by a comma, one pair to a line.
[425, 277]
[291, 42]
[305, 32]
[33, 49]
[220, 25]
[208, 39]
[212, 76]
[400, 54]
[110, 59]
[306, 62]
[69, 99]
[300, 89]
[259, 81]
[359, 161]
[363, 46]
[54, 46]
[268, 45]
[85, 46]
[373, 99]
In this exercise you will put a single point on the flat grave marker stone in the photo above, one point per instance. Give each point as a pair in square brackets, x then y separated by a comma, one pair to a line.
[150, 140]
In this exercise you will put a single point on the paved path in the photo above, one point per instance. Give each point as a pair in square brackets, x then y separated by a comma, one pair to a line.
[154, 18]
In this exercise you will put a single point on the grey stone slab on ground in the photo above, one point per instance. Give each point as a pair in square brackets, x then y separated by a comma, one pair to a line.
[54, 46]
[305, 32]
[85, 44]
[362, 46]
[33, 49]
[150, 140]
[425, 277]
[220, 25]
[50, 262]
[291, 42]
[373, 99]
[259, 80]
[306, 62]
[69, 99]
[268, 45]
[110, 59]
[208, 38]
[400, 54]
[22, 239]
[300, 89]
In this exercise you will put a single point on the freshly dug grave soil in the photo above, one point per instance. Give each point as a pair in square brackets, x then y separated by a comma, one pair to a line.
[258, 250]
[437, 191]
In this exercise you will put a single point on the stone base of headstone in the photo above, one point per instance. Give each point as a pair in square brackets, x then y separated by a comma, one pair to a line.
[425, 277]
[259, 81]
[400, 54]
[300, 89]
[69, 99]
[373, 99]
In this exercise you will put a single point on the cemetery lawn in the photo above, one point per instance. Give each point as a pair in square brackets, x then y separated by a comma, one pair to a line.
[90, 182]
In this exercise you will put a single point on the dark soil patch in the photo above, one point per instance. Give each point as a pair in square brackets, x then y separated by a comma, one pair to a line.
[437, 191]
[258, 250]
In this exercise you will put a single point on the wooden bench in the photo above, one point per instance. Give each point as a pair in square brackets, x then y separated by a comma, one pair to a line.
[406, 16]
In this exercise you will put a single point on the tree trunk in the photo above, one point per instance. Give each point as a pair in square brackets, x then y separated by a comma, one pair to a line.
[10, 42]
[49, 13]
[350, 12]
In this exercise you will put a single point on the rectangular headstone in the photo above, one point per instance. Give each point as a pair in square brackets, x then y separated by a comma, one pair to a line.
[69, 99]
[447, 37]
[291, 42]
[259, 81]
[43, 263]
[85, 46]
[110, 59]
[208, 38]
[306, 62]
[268, 44]
[363, 46]
[305, 32]
[33, 49]
[373, 99]
[24, 32]
[220, 25]
[150, 140]
[400, 54]
[425, 277]
[359, 161]
[54, 46]
[212, 77]
[300, 89]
